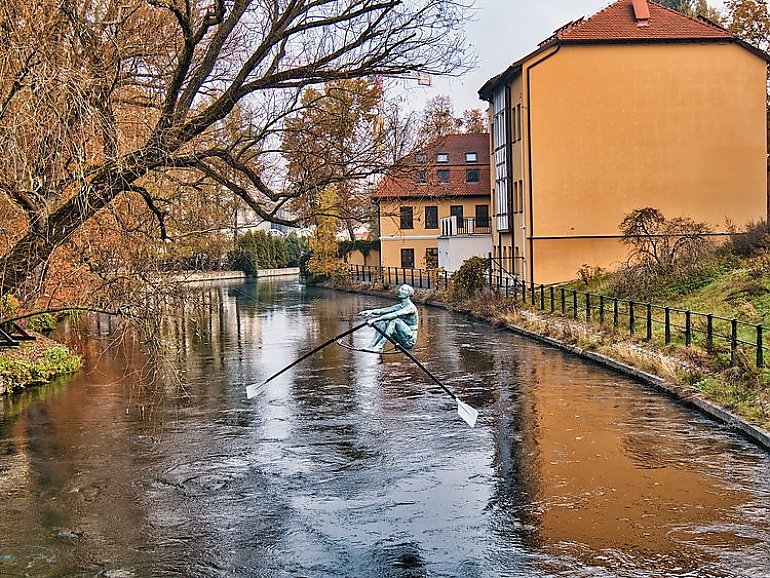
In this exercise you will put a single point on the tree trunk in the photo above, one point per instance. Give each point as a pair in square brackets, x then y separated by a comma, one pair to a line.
[35, 248]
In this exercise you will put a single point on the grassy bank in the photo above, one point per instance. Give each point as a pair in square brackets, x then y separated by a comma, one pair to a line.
[34, 363]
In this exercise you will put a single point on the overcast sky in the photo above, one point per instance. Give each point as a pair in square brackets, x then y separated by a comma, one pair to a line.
[502, 31]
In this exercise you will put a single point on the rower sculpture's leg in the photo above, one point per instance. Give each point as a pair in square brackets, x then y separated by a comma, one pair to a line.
[378, 341]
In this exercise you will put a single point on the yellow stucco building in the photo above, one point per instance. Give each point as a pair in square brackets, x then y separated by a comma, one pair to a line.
[448, 179]
[637, 106]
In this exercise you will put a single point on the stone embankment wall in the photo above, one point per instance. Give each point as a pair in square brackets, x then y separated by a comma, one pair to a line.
[196, 276]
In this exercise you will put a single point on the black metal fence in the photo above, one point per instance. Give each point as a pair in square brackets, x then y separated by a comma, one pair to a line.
[417, 278]
[720, 336]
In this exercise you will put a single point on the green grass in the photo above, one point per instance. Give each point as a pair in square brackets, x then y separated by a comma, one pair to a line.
[20, 369]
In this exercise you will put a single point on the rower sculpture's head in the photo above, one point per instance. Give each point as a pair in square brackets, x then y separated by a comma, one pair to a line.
[405, 291]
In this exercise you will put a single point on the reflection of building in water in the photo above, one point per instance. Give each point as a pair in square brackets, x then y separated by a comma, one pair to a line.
[603, 473]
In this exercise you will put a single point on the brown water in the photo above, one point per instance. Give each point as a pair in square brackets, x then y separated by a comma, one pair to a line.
[356, 465]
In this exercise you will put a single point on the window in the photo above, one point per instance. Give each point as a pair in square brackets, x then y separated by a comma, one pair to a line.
[407, 218]
[421, 177]
[500, 141]
[519, 192]
[431, 217]
[407, 258]
[431, 258]
[442, 157]
[472, 175]
[482, 216]
[421, 157]
[471, 157]
[442, 175]
[457, 211]
[516, 206]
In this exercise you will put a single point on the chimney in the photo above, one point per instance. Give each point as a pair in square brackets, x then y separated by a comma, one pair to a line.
[641, 12]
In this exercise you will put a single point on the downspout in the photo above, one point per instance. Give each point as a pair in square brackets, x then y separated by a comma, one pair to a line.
[529, 164]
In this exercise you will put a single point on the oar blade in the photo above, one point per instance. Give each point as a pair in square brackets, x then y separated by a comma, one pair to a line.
[468, 414]
[255, 389]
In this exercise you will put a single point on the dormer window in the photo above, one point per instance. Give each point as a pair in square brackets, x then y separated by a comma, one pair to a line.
[442, 157]
[471, 157]
[421, 157]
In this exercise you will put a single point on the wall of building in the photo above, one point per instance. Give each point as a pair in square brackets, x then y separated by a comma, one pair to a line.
[678, 127]
[370, 259]
[453, 251]
[393, 238]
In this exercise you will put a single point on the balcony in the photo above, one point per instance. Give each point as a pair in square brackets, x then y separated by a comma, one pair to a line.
[453, 227]
[461, 239]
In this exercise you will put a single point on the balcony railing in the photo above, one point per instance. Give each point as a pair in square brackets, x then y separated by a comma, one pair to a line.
[452, 226]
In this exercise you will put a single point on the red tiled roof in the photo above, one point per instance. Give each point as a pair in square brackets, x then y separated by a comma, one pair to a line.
[401, 180]
[618, 22]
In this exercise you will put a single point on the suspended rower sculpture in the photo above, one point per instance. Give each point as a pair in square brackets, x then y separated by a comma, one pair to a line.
[396, 324]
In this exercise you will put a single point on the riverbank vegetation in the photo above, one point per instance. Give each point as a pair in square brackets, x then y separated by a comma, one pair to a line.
[35, 363]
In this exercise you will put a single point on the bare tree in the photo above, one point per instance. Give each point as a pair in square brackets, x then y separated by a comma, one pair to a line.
[659, 244]
[99, 98]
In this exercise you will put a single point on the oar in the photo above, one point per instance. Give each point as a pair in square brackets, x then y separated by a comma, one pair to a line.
[465, 411]
[256, 388]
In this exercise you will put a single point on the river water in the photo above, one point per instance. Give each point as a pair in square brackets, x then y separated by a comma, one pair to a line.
[356, 465]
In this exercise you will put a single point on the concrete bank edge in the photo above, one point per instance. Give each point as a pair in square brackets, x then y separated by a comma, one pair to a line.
[688, 397]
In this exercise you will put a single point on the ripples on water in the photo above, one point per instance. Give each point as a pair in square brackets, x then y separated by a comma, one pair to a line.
[355, 465]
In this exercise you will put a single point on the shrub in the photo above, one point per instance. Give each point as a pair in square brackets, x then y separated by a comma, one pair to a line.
[469, 279]
[753, 240]
[43, 323]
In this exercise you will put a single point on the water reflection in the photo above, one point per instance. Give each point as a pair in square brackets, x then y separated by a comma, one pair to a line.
[357, 465]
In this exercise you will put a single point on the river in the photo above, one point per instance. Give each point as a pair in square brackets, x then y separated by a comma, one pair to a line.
[356, 465]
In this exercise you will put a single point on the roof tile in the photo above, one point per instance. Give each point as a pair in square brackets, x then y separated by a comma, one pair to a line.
[618, 22]
[400, 181]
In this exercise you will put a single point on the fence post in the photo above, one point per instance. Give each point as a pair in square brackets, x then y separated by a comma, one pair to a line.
[506, 286]
[489, 264]
[687, 328]
[601, 309]
[523, 291]
[588, 307]
[760, 349]
[574, 304]
[631, 319]
[420, 278]
[709, 330]
[563, 302]
[649, 322]
[397, 276]
[668, 325]
[542, 297]
[553, 308]
[615, 312]
[532, 291]
[413, 278]
[733, 340]
[446, 279]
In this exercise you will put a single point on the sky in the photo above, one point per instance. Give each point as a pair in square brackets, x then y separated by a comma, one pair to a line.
[501, 32]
